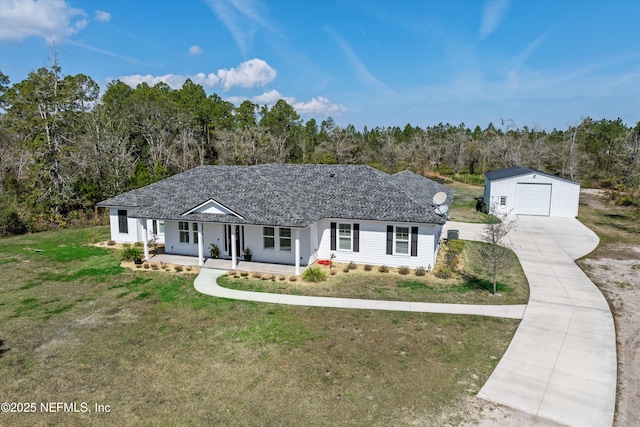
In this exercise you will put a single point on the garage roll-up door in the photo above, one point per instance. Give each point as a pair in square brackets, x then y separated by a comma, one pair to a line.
[533, 199]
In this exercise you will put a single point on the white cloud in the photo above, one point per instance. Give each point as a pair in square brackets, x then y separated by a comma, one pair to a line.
[52, 19]
[103, 16]
[106, 52]
[254, 72]
[270, 98]
[492, 13]
[175, 81]
[356, 63]
[195, 50]
[243, 19]
[319, 106]
[209, 80]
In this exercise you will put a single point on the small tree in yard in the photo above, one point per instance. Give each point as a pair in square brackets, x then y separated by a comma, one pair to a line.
[495, 251]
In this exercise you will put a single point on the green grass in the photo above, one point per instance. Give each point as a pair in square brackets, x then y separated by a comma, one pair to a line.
[613, 224]
[463, 208]
[471, 286]
[160, 353]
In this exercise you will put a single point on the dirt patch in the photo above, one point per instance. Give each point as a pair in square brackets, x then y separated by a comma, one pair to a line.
[618, 276]
[482, 413]
[593, 198]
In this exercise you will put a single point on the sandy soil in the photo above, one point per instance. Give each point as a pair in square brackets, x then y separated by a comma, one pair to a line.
[618, 276]
[481, 413]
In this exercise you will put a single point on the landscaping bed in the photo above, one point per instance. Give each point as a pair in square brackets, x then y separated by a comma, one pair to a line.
[469, 282]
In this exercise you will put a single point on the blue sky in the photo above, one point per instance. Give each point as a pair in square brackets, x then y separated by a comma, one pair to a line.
[370, 63]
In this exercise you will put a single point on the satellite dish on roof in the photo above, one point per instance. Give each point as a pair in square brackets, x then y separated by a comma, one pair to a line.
[442, 210]
[439, 198]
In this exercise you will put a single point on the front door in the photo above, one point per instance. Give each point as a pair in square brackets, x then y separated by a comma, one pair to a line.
[239, 239]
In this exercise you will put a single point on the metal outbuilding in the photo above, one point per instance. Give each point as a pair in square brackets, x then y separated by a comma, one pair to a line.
[522, 191]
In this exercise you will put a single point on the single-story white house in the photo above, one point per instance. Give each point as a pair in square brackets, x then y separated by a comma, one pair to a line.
[522, 191]
[287, 214]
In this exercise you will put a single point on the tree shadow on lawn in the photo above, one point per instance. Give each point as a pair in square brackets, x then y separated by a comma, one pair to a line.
[474, 283]
[3, 350]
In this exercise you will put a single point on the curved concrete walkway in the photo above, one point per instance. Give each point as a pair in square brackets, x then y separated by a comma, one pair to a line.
[561, 364]
[206, 284]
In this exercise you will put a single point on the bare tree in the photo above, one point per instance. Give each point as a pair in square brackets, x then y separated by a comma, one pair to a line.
[496, 250]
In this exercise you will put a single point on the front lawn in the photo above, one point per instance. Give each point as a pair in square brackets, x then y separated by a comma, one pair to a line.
[75, 327]
[470, 285]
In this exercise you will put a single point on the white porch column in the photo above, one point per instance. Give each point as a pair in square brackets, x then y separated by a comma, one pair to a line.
[234, 259]
[200, 245]
[145, 239]
[297, 251]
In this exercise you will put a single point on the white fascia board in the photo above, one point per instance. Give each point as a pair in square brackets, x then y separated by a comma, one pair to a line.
[219, 206]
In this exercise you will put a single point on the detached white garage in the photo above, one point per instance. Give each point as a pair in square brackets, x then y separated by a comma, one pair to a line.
[523, 191]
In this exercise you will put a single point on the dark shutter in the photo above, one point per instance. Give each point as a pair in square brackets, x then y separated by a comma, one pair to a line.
[123, 226]
[154, 224]
[333, 236]
[226, 250]
[414, 241]
[389, 239]
[356, 237]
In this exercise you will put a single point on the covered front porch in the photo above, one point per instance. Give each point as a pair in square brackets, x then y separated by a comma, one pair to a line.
[226, 264]
[194, 239]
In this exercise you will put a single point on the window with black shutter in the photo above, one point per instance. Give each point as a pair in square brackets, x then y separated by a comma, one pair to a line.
[389, 239]
[333, 236]
[414, 241]
[123, 225]
[356, 237]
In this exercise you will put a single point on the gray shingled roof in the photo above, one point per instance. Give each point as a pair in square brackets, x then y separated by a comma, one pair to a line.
[518, 171]
[288, 195]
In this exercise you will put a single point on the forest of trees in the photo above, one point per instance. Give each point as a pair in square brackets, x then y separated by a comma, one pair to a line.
[63, 147]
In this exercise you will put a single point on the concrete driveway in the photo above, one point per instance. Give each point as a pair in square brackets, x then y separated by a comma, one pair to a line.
[561, 364]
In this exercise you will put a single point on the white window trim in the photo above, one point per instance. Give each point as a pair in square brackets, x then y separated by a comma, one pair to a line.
[264, 236]
[276, 239]
[338, 248]
[290, 238]
[501, 199]
[395, 240]
[182, 230]
[194, 229]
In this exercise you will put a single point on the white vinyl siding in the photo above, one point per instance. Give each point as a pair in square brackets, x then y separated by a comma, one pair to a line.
[373, 244]
[155, 230]
[133, 226]
[563, 200]
[254, 239]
